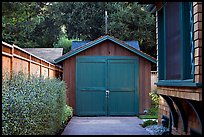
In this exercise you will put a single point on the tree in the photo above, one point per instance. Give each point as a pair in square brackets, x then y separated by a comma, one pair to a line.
[126, 21]
[83, 20]
[38, 24]
[18, 21]
[30, 24]
[132, 22]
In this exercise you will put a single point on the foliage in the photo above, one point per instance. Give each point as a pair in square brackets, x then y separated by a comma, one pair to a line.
[155, 97]
[29, 24]
[65, 43]
[153, 110]
[83, 20]
[149, 123]
[126, 21]
[33, 105]
[148, 116]
[38, 24]
[131, 22]
[68, 113]
[18, 21]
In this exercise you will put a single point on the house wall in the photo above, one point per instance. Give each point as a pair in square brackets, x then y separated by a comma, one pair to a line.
[108, 48]
[185, 93]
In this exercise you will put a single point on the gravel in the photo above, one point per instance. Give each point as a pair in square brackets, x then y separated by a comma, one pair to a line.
[156, 129]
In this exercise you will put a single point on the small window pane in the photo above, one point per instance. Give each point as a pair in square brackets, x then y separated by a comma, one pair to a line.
[173, 45]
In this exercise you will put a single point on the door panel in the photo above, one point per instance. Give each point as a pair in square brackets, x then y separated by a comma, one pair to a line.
[122, 86]
[121, 103]
[91, 83]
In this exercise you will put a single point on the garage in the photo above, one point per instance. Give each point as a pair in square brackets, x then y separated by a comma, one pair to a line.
[98, 74]
[107, 77]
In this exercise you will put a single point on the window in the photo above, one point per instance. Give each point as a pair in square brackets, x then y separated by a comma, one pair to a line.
[175, 42]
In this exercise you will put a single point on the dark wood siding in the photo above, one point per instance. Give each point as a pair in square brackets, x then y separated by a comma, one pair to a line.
[144, 84]
[108, 48]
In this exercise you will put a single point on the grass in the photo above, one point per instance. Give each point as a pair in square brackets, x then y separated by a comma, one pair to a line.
[148, 116]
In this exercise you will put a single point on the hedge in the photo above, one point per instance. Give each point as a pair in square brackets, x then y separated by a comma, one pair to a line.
[33, 105]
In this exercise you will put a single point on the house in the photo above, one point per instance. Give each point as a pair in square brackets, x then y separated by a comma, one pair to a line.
[107, 77]
[179, 55]
[49, 54]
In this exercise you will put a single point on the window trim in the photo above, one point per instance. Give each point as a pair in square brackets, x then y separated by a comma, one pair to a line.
[179, 83]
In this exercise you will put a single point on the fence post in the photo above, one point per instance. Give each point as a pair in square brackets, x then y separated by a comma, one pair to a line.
[49, 70]
[29, 64]
[40, 68]
[12, 60]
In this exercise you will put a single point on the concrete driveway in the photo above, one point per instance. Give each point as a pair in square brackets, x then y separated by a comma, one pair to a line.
[104, 126]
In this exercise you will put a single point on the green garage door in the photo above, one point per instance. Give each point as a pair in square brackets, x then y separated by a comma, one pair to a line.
[106, 86]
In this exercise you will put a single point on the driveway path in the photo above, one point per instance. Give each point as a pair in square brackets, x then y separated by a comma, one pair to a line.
[104, 126]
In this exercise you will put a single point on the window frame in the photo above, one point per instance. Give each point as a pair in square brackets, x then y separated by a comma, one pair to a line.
[186, 78]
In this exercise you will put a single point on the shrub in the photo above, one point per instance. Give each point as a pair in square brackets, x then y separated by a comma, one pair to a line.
[153, 110]
[155, 97]
[33, 105]
[68, 113]
[149, 123]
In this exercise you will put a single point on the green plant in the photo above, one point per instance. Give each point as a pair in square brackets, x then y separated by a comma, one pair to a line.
[153, 110]
[154, 96]
[148, 116]
[149, 123]
[64, 42]
[68, 113]
[33, 105]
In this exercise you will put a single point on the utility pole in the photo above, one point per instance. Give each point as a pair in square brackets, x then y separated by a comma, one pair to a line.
[106, 19]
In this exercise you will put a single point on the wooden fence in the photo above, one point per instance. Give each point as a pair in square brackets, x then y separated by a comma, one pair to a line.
[17, 59]
[154, 79]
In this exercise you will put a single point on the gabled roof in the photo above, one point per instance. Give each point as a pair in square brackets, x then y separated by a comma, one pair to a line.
[101, 39]
[49, 54]
[77, 44]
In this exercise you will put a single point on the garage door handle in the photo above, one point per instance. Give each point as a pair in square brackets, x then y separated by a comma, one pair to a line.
[107, 93]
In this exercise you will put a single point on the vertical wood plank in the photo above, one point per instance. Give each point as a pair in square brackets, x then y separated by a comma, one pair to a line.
[40, 68]
[49, 70]
[29, 66]
[12, 61]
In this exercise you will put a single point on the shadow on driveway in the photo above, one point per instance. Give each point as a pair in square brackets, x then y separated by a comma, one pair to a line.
[105, 126]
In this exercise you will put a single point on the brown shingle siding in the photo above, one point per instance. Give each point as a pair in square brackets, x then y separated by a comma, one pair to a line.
[195, 3]
[182, 92]
[197, 26]
[198, 78]
[198, 17]
[198, 70]
[198, 52]
[198, 61]
[197, 35]
[198, 43]
[197, 8]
